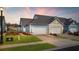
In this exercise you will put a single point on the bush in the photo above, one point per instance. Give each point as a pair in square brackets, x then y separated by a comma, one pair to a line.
[70, 33]
[26, 33]
[12, 33]
[76, 33]
[53, 34]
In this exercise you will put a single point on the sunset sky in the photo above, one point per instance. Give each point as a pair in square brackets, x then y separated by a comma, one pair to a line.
[13, 14]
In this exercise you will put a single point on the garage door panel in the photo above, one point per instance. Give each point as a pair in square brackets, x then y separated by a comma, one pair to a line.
[39, 30]
[55, 30]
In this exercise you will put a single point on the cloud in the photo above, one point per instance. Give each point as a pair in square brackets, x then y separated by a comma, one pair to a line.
[27, 12]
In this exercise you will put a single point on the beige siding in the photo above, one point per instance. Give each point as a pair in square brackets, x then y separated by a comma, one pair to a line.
[55, 24]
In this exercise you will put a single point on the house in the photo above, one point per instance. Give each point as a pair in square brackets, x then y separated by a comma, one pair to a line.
[73, 27]
[37, 25]
[42, 24]
[13, 27]
[4, 24]
[59, 25]
[25, 24]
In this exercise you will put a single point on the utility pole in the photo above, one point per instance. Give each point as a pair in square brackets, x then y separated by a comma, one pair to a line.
[1, 25]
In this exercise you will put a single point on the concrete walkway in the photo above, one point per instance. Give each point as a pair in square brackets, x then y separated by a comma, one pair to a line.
[20, 44]
[60, 43]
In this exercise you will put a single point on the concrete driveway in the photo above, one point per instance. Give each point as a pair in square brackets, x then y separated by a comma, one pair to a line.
[60, 43]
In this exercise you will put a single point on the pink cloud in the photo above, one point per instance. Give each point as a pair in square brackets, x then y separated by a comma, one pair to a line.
[75, 14]
[27, 12]
[47, 11]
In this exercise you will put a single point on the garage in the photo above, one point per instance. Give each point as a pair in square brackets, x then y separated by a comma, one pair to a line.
[56, 30]
[72, 30]
[39, 29]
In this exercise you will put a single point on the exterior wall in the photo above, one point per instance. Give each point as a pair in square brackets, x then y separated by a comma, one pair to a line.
[73, 27]
[66, 29]
[39, 29]
[55, 24]
[25, 29]
[18, 29]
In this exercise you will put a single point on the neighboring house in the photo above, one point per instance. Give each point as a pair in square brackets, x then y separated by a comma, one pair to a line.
[13, 28]
[73, 27]
[4, 24]
[55, 27]
[59, 25]
[42, 24]
[25, 24]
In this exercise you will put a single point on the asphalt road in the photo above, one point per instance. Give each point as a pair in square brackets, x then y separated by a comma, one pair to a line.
[73, 48]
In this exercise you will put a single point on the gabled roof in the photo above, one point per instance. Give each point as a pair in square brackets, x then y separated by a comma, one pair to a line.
[25, 21]
[42, 19]
[63, 21]
[75, 23]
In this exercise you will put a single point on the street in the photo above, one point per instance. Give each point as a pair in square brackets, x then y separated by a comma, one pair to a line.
[73, 48]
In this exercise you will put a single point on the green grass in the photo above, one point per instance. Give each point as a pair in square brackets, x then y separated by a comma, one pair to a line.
[37, 47]
[23, 39]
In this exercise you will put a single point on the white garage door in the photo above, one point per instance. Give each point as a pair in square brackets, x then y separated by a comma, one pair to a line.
[39, 30]
[55, 30]
[73, 30]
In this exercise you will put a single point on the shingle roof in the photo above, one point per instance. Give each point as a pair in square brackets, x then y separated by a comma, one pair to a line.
[45, 20]
[25, 21]
[42, 19]
[65, 21]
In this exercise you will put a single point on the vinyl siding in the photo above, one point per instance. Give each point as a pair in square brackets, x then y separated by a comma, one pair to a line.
[55, 24]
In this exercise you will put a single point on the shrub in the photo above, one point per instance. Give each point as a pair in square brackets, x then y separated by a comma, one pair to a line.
[26, 33]
[76, 33]
[53, 34]
[12, 33]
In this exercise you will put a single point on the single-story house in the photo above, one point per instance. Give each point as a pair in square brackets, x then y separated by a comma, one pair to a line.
[42, 24]
[4, 24]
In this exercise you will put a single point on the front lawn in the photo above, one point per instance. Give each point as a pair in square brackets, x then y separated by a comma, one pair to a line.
[36, 47]
[21, 39]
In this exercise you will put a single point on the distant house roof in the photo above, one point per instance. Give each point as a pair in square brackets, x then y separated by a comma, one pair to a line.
[25, 21]
[42, 19]
[65, 21]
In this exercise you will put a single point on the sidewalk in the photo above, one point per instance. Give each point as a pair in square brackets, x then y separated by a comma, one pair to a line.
[20, 44]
